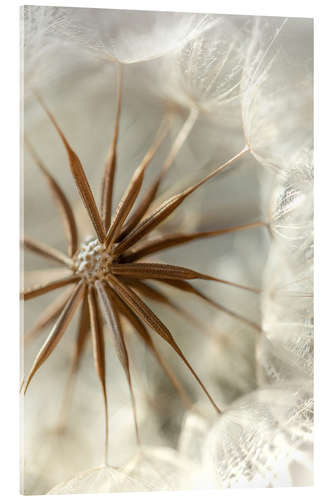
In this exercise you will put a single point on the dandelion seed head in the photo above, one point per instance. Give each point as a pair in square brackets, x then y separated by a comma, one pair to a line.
[285, 349]
[129, 36]
[258, 437]
[276, 93]
[41, 44]
[208, 69]
[292, 202]
[205, 71]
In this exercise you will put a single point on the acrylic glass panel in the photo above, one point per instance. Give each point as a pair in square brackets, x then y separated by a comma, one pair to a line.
[167, 232]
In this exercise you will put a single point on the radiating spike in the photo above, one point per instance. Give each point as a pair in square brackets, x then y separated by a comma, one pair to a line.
[142, 331]
[164, 210]
[172, 240]
[47, 316]
[38, 276]
[62, 203]
[48, 287]
[79, 177]
[151, 192]
[46, 251]
[112, 319]
[111, 162]
[140, 308]
[57, 331]
[152, 270]
[152, 293]
[187, 287]
[99, 356]
[80, 343]
[129, 197]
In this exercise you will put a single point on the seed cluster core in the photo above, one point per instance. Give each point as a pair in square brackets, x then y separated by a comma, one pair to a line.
[92, 261]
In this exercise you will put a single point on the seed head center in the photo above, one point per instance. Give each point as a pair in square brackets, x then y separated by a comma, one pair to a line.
[92, 261]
